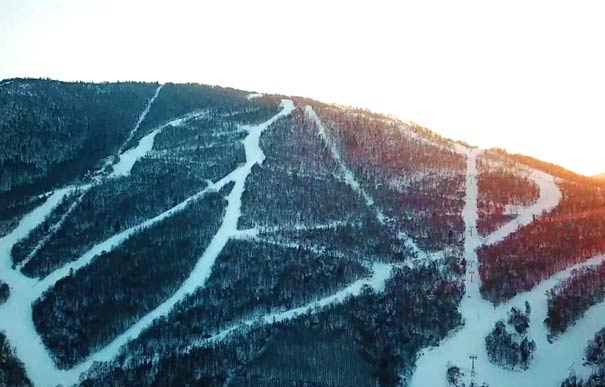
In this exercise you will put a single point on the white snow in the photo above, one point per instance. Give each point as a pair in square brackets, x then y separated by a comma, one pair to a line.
[203, 268]
[550, 196]
[552, 362]
[129, 158]
[113, 242]
[350, 179]
[253, 96]
[141, 118]
[380, 274]
[55, 227]
[15, 314]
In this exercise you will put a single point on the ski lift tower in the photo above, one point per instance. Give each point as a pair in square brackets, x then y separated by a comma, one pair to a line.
[473, 373]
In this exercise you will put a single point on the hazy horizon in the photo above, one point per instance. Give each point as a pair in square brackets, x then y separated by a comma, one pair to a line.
[525, 77]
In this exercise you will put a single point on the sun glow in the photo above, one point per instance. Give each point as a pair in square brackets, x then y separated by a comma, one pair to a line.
[524, 76]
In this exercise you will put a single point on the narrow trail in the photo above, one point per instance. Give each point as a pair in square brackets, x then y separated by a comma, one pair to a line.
[381, 272]
[203, 268]
[124, 167]
[552, 363]
[349, 178]
[141, 118]
[16, 313]
[549, 198]
[53, 229]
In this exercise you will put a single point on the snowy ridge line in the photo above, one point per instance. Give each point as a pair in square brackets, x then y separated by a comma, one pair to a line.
[550, 196]
[349, 177]
[141, 118]
[55, 227]
[381, 272]
[203, 268]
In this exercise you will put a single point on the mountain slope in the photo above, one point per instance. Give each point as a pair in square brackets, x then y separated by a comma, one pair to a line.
[228, 238]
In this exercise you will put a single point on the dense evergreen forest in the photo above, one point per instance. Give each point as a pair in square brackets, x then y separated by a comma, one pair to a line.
[54, 132]
[570, 299]
[12, 373]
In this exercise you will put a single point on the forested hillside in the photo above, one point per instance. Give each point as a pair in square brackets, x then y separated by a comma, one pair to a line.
[185, 234]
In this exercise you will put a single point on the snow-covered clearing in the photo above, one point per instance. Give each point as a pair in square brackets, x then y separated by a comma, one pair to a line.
[552, 362]
[253, 96]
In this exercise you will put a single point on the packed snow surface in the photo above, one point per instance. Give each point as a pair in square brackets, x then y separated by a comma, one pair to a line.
[552, 363]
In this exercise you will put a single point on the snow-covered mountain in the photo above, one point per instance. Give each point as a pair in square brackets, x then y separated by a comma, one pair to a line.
[184, 234]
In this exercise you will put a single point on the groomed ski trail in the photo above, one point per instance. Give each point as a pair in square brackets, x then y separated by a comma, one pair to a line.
[141, 118]
[349, 178]
[203, 268]
[123, 168]
[16, 313]
[381, 272]
[549, 197]
[552, 363]
[135, 154]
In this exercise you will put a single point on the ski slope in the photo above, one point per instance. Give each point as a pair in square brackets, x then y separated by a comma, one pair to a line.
[550, 196]
[349, 179]
[381, 272]
[16, 314]
[552, 363]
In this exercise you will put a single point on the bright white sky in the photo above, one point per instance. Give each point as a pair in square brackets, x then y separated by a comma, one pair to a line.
[525, 75]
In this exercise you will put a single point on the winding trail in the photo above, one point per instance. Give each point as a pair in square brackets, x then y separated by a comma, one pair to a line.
[552, 363]
[16, 313]
[550, 196]
[203, 268]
